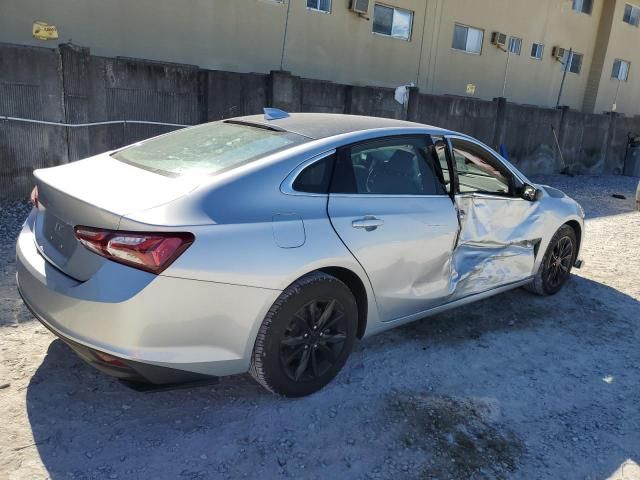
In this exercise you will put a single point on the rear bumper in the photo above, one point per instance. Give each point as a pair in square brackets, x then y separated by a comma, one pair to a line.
[126, 370]
[163, 329]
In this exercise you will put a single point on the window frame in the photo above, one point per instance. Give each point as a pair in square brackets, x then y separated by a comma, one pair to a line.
[539, 45]
[453, 173]
[624, 14]
[516, 182]
[514, 39]
[373, 19]
[573, 7]
[614, 77]
[568, 64]
[319, 10]
[286, 186]
[468, 52]
[342, 156]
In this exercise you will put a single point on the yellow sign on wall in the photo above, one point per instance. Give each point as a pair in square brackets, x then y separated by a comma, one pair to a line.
[44, 31]
[471, 89]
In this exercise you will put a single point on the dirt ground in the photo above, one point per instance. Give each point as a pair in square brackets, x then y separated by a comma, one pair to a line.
[516, 386]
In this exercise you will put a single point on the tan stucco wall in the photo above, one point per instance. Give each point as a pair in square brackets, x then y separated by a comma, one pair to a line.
[236, 35]
[531, 81]
[247, 35]
[342, 46]
[624, 44]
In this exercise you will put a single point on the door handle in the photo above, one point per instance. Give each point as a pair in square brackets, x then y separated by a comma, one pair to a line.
[369, 223]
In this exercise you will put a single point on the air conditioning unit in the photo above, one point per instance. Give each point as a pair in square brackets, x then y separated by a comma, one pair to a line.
[499, 39]
[360, 6]
[558, 53]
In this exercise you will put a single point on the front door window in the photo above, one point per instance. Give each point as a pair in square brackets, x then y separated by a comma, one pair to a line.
[477, 171]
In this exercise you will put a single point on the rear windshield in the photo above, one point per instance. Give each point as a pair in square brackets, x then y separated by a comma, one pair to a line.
[207, 149]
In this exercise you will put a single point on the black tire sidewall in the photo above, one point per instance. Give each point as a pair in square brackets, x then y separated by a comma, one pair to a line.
[275, 375]
[563, 232]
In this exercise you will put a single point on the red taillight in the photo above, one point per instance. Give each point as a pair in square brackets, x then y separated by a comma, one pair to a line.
[34, 197]
[152, 251]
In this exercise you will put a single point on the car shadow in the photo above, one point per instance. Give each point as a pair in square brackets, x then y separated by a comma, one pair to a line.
[521, 310]
[465, 365]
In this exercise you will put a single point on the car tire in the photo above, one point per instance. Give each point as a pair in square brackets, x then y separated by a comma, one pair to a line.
[557, 263]
[290, 356]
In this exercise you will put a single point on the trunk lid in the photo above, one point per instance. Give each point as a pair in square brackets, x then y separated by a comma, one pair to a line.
[95, 192]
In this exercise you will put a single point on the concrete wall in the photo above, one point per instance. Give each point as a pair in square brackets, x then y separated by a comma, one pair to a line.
[528, 135]
[263, 35]
[100, 89]
[467, 115]
[230, 94]
[584, 141]
[31, 87]
[71, 85]
[619, 131]
[295, 94]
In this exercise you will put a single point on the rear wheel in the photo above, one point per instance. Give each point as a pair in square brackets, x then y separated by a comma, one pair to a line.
[306, 337]
[557, 263]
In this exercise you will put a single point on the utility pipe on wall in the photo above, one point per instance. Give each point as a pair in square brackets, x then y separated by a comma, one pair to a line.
[567, 66]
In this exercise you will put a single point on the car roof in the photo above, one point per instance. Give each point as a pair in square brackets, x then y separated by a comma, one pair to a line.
[323, 125]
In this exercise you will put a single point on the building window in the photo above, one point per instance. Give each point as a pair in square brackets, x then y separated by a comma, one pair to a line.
[320, 5]
[393, 22]
[537, 51]
[631, 15]
[620, 70]
[467, 39]
[584, 6]
[573, 62]
[515, 45]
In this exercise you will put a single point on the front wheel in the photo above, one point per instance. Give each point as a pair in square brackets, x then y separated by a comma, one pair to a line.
[556, 263]
[306, 336]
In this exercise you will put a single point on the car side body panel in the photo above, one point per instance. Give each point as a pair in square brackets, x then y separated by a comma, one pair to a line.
[408, 256]
[254, 238]
[491, 248]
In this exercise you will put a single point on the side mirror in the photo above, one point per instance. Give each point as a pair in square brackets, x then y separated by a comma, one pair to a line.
[530, 193]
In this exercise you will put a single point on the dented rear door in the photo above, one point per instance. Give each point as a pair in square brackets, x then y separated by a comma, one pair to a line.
[391, 211]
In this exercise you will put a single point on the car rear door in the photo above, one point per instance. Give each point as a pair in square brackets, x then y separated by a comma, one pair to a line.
[494, 247]
[389, 206]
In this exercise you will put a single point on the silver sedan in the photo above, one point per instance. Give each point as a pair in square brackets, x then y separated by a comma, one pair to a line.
[269, 244]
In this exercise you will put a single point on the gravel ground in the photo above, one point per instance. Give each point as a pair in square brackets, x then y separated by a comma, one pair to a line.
[516, 386]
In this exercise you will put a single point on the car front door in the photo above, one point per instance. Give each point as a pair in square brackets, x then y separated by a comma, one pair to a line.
[389, 206]
[494, 247]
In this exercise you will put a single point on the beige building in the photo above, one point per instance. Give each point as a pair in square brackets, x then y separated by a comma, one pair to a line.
[483, 48]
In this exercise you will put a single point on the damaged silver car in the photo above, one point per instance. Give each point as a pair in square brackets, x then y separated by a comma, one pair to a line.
[271, 243]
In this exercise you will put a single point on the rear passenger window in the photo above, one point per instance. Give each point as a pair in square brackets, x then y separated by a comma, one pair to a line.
[401, 166]
[316, 177]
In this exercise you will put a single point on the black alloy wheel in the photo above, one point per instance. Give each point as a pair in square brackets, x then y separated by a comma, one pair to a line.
[559, 263]
[306, 337]
[314, 339]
